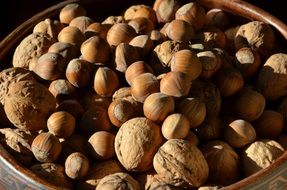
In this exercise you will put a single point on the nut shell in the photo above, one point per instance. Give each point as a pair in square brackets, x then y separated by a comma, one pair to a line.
[28, 105]
[77, 165]
[136, 143]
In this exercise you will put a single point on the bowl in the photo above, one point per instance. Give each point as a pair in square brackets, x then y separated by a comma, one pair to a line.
[13, 176]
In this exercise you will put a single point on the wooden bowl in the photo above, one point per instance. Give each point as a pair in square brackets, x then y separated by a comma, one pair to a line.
[13, 176]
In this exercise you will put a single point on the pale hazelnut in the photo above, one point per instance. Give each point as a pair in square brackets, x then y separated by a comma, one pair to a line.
[175, 126]
[71, 11]
[77, 165]
[165, 10]
[62, 90]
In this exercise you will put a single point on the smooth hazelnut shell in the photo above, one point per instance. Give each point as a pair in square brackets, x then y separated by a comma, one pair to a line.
[135, 69]
[71, 11]
[175, 126]
[77, 165]
[71, 34]
[119, 33]
[179, 30]
[81, 22]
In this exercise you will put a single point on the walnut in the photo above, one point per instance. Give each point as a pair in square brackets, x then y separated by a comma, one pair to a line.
[10, 76]
[97, 172]
[181, 163]
[118, 181]
[256, 35]
[136, 143]
[259, 155]
[34, 45]
[18, 143]
[272, 79]
[52, 173]
[223, 162]
[28, 104]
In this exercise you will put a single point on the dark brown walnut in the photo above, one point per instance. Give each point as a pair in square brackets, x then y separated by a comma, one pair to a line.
[223, 162]
[28, 104]
[48, 26]
[34, 45]
[10, 76]
[18, 143]
[98, 171]
[256, 35]
[272, 77]
[180, 163]
[118, 181]
[259, 155]
[52, 173]
[136, 143]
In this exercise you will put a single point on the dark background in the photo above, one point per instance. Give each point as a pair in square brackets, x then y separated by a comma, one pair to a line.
[16, 12]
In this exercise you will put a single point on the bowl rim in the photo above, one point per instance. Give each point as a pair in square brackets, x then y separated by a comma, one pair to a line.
[237, 7]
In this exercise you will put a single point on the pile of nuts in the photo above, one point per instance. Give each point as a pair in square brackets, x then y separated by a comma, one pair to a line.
[173, 96]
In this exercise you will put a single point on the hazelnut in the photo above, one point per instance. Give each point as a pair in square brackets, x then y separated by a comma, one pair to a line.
[46, 147]
[247, 61]
[118, 181]
[144, 85]
[62, 90]
[180, 30]
[239, 133]
[137, 142]
[223, 162]
[158, 106]
[212, 37]
[32, 46]
[95, 119]
[71, 106]
[175, 84]
[192, 138]
[194, 109]
[141, 25]
[66, 50]
[210, 129]
[95, 49]
[102, 145]
[48, 26]
[61, 124]
[72, 35]
[71, 11]
[272, 79]
[210, 62]
[192, 13]
[249, 105]
[97, 28]
[111, 20]
[165, 10]
[28, 104]
[130, 11]
[218, 18]
[146, 12]
[157, 37]
[143, 43]
[259, 155]
[90, 98]
[135, 69]
[81, 22]
[125, 55]
[106, 82]
[229, 81]
[78, 72]
[175, 126]
[121, 110]
[269, 125]
[230, 34]
[77, 165]
[187, 62]
[179, 163]
[120, 32]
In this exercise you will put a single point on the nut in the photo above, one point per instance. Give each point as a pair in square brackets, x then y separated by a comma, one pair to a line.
[165, 10]
[28, 104]
[130, 11]
[239, 133]
[46, 147]
[158, 106]
[210, 129]
[77, 165]
[223, 162]
[81, 22]
[102, 145]
[179, 163]
[50, 27]
[97, 28]
[66, 50]
[137, 142]
[210, 62]
[218, 18]
[34, 45]
[72, 35]
[260, 154]
[142, 25]
[71, 11]
[212, 37]
[118, 181]
[175, 126]
[180, 30]
[71, 106]
[135, 69]
[111, 20]
[143, 43]
[62, 90]
[61, 124]
[120, 32]
[106, 82]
